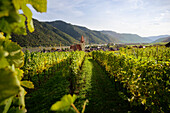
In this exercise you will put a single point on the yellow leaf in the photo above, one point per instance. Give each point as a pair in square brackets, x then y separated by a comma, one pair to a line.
[143, 101]
[152, 103]
[138, 94]
[154, 92]
[27, 84]
[138, 76]
[2, 35]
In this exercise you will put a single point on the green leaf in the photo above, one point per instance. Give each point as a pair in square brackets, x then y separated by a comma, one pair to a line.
[4, 13]
[3, 60]
[5, 26]
[28, 14]
[9, 15]
[19, 73]
[39, 5]
[16, 56]
[20, 27]
[20, 110]
[143, 101]
[9, 84]
[4, 8]
[27, 84]
[17, 110]
[13, 17]
[4, 63]
[18, 3]
[7, 105]
[3, 53]
[21, 98]
[64, 104]
[30, 25]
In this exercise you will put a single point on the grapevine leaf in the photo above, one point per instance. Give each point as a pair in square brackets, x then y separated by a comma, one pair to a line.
[28, 14]
[64, 104]
[13, 17]
[19, 73]
[3, 60]
[143, 101]
[17, 110]
[9, 84]
[4, 13]
[4, 8]
[27, 84]
[16, 56]
[21, 98]
[4, 63]
[18, 3]
[2, 35]
[4, 26]
[30, 26]
[20, 26]
[20, 110]
[7, 104]
[39, 5]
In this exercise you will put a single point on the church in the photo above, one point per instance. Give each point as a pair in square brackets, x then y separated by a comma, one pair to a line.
[80, 46]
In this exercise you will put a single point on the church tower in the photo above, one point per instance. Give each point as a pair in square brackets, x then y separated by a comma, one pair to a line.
[82, 43]
[82, 39]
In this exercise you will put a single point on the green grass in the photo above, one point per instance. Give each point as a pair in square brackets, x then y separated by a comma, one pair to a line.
[99, 90]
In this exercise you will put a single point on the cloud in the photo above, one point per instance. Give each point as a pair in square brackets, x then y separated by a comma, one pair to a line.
[136, 4]
[66, 7]
[145, 17]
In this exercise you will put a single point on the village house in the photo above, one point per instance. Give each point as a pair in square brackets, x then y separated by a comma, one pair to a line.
[80, 46]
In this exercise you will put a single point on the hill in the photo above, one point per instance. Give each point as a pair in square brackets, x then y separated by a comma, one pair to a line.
[52, 33]
[166, 39]
[44, 35]
[75, 31]
[127, 38]
[154, 38]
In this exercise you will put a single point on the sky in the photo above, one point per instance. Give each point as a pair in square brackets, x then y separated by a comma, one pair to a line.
[142, 17]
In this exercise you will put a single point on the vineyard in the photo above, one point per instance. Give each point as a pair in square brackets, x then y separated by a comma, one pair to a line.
[137, 81]
[141, 75]
[128, 80]
[121, 81]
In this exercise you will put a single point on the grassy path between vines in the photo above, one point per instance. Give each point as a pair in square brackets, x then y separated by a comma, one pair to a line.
[99, 90]
[93, 84]
[41, 100]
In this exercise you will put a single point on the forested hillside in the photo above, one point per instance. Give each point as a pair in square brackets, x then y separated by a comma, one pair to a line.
[52, 33]
[44, 35]
[127, 38]
[154, 38]
[166, 39]
[75, 31]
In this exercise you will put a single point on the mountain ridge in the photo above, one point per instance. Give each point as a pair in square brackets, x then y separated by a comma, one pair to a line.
[76, 31]
[44, 35]
[166, 39]
[127, 37]
[52, 33]
[154, 38]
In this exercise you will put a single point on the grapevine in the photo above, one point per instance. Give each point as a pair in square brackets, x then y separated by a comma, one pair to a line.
[145, 80]
[11, 56]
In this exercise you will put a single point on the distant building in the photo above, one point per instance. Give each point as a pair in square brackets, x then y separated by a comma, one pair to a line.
[134, 46]
[80, 46]
[140, 46]
[168, 44]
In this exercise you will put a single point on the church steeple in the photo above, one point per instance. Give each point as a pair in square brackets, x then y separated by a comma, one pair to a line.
[82, 39]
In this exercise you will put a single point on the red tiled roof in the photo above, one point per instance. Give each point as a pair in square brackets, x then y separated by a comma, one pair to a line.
[82, 39]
